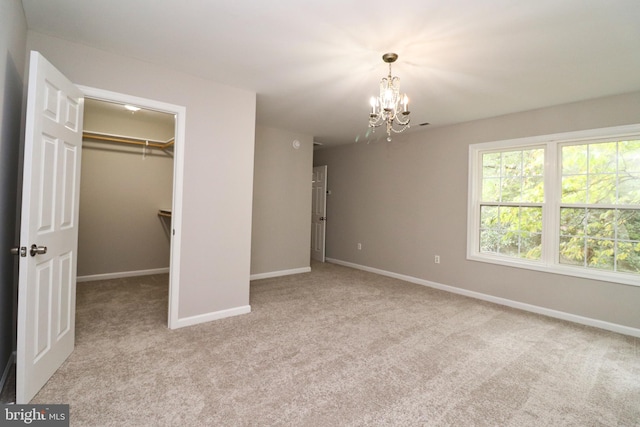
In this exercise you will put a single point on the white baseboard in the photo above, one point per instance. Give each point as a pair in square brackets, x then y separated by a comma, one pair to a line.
[279, 273]
[121, 274]
[7, 370]
[208, 317]
[614, 327]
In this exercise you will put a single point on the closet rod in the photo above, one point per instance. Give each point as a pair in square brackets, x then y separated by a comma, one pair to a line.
[127, 140]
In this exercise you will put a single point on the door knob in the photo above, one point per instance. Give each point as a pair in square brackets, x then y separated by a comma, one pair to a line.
[37, 250]
[20, 250]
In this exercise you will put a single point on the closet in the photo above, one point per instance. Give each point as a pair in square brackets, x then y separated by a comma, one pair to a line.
[126, 191]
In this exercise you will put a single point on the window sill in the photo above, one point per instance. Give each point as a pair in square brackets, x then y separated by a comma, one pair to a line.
[605, 276]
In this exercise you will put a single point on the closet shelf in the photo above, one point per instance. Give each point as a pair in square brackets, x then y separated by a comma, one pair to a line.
[127, 140]
[165, 213]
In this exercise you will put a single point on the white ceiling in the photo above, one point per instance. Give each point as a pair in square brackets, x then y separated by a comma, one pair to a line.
[315, 64]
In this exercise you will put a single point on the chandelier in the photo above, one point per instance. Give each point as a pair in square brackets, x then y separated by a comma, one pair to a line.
[390, 107]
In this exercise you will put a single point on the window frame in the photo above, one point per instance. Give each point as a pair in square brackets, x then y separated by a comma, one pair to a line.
[552, 144]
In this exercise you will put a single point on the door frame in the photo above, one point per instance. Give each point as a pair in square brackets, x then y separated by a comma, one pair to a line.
[323, 219]
[178, 179]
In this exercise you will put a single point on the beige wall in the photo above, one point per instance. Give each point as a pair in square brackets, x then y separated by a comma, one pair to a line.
[218, 167]
[121, 193]
[407, 201]
[105, 117]
[281, 225]
[13, 39]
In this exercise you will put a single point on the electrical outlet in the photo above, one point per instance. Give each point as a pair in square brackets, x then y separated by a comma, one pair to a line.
[359, 246]
[437, 259]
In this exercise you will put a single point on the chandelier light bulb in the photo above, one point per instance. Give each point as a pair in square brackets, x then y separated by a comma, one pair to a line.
[388, 99]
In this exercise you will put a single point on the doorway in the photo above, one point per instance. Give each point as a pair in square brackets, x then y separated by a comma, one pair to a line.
[173, 227]
[318, 212]
[126, 191]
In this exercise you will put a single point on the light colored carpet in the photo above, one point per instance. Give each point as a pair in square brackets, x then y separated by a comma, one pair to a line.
[340, 347]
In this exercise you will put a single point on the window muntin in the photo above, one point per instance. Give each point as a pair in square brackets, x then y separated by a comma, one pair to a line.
[559, 215]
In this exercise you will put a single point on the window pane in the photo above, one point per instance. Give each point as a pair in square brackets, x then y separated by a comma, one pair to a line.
[572, 250]
[510, 217]
[611, 173]
[531, 246]
[574, 189]
[629, 156]
[511, 231]
[603, 227]
[628, 257]
[491, 190]
[489, 239]
[533, 162]
[511, 189]
[510, 244]
[629, 189]
[603, 157]
[491, 230]
[628, 233]
[600, 254]
[491, 164]
[601, 223]
[573, 221]
[533, 189]
[513, 176]
[531, 219]
[488, 216]
[602, 189]
[629, 224]
[511, 163]
[574, 159]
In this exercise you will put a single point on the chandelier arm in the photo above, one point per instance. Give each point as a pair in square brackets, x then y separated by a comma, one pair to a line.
[400, 130]
[398, 126]
[405, 122]
[376, 120]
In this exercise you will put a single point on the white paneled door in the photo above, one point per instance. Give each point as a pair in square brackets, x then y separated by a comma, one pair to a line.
[318, 212]
[49, 227]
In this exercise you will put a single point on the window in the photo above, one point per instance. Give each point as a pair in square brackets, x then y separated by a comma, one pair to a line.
[600, 206]
[567, 203]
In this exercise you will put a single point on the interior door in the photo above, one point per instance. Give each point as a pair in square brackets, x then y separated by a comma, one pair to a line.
[49, 227]
[318, 212]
